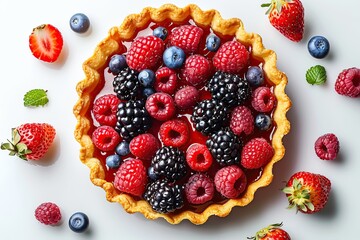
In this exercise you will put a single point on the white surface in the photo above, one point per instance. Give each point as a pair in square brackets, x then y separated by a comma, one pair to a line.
[64, 180]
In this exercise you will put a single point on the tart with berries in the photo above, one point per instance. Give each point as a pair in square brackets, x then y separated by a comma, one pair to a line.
[181, 114]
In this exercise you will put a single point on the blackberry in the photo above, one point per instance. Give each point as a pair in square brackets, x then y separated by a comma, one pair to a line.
[229, 89]
[163, 196]
[209, 116]
[126, 84]
[225, 147]
[169, 163]
[132, 119]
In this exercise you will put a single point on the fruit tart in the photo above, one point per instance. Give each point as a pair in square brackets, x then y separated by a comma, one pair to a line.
[181, 114]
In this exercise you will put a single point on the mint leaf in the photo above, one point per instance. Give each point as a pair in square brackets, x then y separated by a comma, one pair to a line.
[316, 75]
[35, 98]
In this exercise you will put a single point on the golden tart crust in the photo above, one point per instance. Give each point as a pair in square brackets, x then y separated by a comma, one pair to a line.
[87, 88]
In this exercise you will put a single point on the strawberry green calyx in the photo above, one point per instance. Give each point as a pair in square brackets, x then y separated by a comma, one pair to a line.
[275, 4]
[298, 196]
[263, 232]
[15, 146]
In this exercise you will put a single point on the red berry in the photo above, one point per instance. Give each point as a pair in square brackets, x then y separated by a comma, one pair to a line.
[327, 146]
[144, 146]
[199, 189]
[175, 133]
[199, 157]
[197, 70]
[242, 121]
[230, 181]
[48, 213]
[186, 97]
[105, 138]
[105, 108]
[232, 57]
[131, 177]
[145, 53]
[348, 82]
[263, 99]
[256, 153]
[166, 80]
[186, 37]
[160, 106]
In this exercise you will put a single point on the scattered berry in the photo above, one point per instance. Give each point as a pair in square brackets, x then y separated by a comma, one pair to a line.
[105, 108]
[186, 37]
[272, 232]
[105, 138]
[212, 43]
[144, 146]
[263, 121]
[160, 32]
[117, 63]
[79, 222]
[166, 80]
[160, 106]
[241, 120]
[256, 153]
[123, 148]
[348, 82]
[232, 57]
[113, 161]
[199, 189]
[186, 97]
[146, 78]
[175, 133]
[327, 146]
[174, 57]
[197, 70]
[318, 46]
[48, 213]
[230, 181]
[263, 99]
[79, 23]
[199, 157]
[126, 84]
[316, 75]
[255, 76]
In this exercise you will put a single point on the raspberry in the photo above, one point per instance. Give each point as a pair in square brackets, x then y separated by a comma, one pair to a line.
[256, 153]
[263, 99]
[327, 146]
[105, 138]
[48, 213]
[232, 57]
[199, 157]
[105, 108]
[197, 70]
[348, 82]
[174, 133]
[160, 106]
[241, 120]
[230, 181]
[166, 80]
[144, 146]
[131, 177]
[186, 97]
[186, 37]
[145, 53]
[199, 189]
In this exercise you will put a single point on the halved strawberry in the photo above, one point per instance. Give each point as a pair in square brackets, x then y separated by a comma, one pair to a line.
[46, 42]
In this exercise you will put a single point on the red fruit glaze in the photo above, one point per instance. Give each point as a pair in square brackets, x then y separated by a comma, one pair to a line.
[144, 146]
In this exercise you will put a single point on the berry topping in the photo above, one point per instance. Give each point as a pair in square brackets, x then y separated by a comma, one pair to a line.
[263, 99]
[348, 82]
[145, 53]
[79, 23]
[199, 189]
[144, 146]
[230, 181]
[131, 177]
[174, 57]
[105, 108]
[79, 222]
[166, 80]
[113, 161]
[148, 91]
[48, 213]
[327, 146]
[160, 106]
[146, 78]
[174, 133]
[316, 75]
[212, 43]
[123, 148]
[256, 153]
[263, 121]
[46, 42]
[117, 63]
[241, 120]
[199, 157]
[197, 70]
[105, 138]
[232, 57]
[318, 46]
[160, 32]
[186, 37]
[126, 84]
[186, 97]
[255, 76]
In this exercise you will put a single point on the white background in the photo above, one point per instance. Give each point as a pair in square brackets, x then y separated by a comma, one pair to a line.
[64, 180]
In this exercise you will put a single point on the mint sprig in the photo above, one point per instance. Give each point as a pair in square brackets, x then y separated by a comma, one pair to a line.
[316, 75]
[35, 98]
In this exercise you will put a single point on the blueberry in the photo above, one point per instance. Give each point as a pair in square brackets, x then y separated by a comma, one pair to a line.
[160, 32]
[255, 76]
[148, 91]
[117, 63]
[123, 148]
[318, 46]
[146, 78]
[79, 23]
[113, 161]
[152, 174]
[263, 121]
[212, 43]
[79, 222]
[174, 57]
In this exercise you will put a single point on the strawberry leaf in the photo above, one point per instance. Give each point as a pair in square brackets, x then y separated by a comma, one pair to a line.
[35, 98]
[316, 75]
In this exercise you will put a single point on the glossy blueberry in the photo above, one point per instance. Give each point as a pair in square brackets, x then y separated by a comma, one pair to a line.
[79, 23]
[122, 149]
[160, 32]
[146, 78]
[113, 161]
[212, 43]
[78, 222]
[318, 46]
[117, 63]
[152, 174]
[148, 91]
[255, 76]
[174, 57]
[263, 121]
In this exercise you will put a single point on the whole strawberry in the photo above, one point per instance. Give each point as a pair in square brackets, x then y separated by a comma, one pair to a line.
[307, 192]
[287, 16]
[30, 141]
[272, 232]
